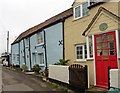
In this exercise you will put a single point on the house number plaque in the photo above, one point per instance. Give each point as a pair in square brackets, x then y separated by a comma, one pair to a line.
[103, 26]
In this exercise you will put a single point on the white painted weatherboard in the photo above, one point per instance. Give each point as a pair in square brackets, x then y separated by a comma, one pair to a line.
[115, 78]
[60, 73]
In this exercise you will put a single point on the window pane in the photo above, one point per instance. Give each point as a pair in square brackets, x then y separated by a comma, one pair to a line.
[39, 37]
[104, 37]
[41, 58]
[105, 52]
[110, 37]
[27, 41]
[111, 44]
[98, 39]
[85, 51]
[99, 52]
[99, 46]
[90, 46]
[104, 45]
[85, 9]
[112, 52]
[77, 12]
[79, 51]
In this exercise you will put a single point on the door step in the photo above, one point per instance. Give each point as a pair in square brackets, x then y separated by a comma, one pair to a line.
[96, 90]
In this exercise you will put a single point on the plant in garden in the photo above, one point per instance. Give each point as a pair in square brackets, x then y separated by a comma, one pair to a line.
[24, 67]
[62, 62]
[36, 68]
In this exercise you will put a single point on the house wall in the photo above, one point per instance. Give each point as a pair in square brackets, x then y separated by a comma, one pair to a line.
[53, 35]
[27, 54]
[15, 53]
[35, 50]
[22, 54]
[73, 34]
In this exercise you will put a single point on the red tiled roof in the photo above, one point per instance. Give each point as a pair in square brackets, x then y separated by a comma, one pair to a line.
[56, 18]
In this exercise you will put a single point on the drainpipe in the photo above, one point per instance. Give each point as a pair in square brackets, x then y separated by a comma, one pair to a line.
[46, 68]
[30, 53]
[19, 52]
[24, 51]
[63, 38]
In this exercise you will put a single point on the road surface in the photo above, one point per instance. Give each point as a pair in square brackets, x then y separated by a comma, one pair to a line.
[15, 82]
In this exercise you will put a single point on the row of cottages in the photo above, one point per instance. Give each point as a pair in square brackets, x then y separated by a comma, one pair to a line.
[86, 34]
[42, 44]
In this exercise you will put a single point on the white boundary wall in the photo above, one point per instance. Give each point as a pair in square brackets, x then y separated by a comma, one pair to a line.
[60, 73]
[115, 78]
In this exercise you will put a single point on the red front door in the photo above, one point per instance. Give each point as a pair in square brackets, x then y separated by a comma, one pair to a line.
[105, 56]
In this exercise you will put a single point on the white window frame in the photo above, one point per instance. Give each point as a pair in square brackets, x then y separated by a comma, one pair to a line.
[81, 10]
[39, 38]
[83, 51]
[88, 49]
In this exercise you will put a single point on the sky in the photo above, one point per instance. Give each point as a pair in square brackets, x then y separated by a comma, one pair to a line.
[16, 16]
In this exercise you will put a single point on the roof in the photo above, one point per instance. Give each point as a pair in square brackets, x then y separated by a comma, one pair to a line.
[101, 9]
[44, 24]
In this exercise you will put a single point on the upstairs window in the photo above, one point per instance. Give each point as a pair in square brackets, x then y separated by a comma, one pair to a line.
[81, 10]
[93, 2]
[27, 41]
[39, 38]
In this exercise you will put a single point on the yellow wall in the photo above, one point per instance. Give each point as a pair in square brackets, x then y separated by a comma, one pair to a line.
[74, 29]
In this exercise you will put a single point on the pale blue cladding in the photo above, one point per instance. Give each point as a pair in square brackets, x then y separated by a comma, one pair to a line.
[15, 54]
[22, 54]
[54, 43]
[36, 49]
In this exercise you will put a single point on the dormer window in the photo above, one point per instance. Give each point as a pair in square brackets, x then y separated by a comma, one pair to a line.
[81, 10]
[95, 2]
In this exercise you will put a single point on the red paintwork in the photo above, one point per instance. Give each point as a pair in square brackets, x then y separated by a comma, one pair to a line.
[103, 61]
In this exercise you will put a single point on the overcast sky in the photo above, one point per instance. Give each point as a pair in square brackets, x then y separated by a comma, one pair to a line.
[17, 16]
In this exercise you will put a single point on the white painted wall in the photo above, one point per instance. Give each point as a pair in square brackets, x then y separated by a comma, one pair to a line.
[115, 78]
[60, 73]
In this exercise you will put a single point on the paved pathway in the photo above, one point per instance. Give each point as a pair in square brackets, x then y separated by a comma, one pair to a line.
[14, 81]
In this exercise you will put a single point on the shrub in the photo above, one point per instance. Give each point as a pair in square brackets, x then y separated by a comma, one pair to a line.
[24, 67]
[36, 68]
[62, 62]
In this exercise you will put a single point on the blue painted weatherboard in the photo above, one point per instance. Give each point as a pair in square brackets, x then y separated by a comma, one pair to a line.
[15, 54]
[27, 54]
[54, 38]
[36, 49]
[22, 55]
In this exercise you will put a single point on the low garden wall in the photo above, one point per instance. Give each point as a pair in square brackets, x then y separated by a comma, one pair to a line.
[115, 78]
[59, 73]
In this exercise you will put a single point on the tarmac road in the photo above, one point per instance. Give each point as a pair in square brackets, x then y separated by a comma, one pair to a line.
[18, 82]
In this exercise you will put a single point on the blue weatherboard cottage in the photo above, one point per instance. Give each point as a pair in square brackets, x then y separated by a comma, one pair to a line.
[42, 44]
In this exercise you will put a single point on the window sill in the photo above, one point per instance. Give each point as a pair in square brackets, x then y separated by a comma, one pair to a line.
[80, 60]
[75, 19]
[42, 65]
[39, 44]
[89, 59]
[26, 46]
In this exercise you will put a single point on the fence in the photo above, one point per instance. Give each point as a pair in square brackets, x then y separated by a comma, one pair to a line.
[75, 75]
